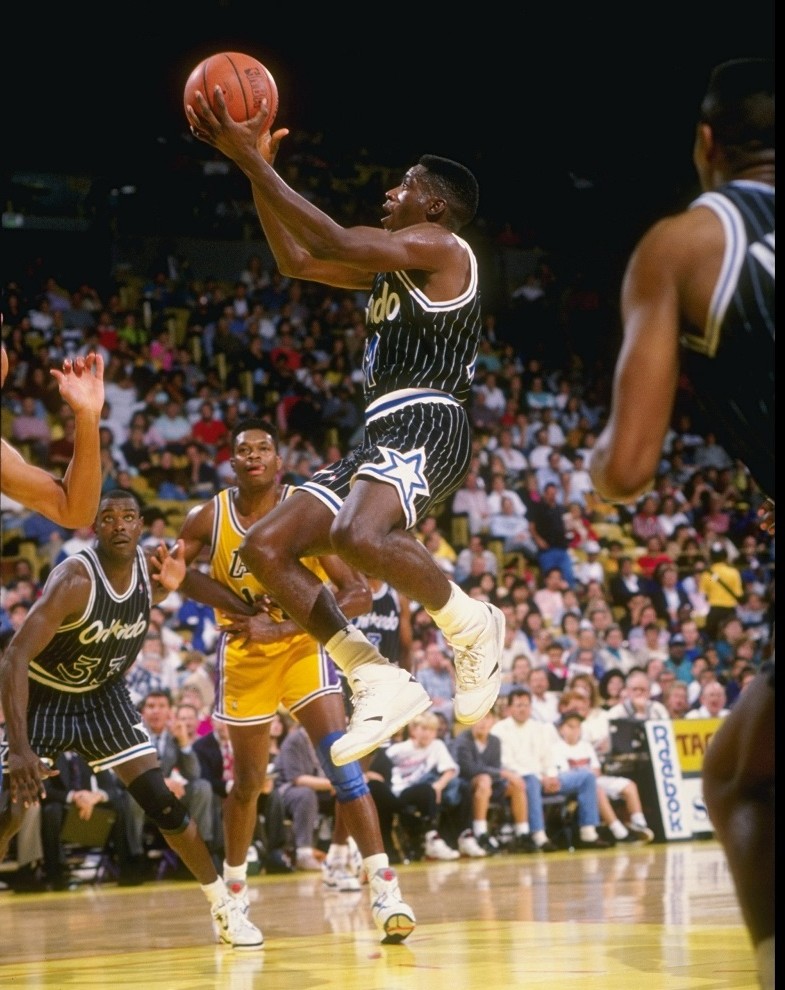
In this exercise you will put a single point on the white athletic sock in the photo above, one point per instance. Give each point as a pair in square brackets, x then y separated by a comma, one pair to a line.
[235, 874]
[588, 833]
[350, 649]
[479, 826]
[521, 828]
[337, 855]
[618, 830]
[216, 891]
[540, 837]
[376, 862]
[463, 618]
[639, 819]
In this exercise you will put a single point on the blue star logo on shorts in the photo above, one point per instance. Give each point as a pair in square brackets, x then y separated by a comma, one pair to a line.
[405, 471]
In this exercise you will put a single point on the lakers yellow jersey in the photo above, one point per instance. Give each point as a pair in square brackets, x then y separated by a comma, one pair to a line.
[227, 567]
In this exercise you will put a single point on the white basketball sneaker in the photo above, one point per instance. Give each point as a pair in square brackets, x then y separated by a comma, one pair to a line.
[338, 879]
[392, 916]
[238, 889]
[385, 698]
[232, 927]
[478, 674]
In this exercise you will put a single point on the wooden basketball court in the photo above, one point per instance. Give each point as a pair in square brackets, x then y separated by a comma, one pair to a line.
[658, 917]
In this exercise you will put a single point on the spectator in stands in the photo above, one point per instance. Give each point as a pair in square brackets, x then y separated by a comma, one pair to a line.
[546, 520]
[712, 702]
[478, 755]
[529, 748]
[437, 675]
[471, 500]
[636, 701]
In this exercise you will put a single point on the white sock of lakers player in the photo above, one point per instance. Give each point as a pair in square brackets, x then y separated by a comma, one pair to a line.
[462, 618]
[235, 876]
[351, 649]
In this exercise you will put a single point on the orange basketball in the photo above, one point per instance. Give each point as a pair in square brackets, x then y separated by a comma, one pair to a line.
[244, 82]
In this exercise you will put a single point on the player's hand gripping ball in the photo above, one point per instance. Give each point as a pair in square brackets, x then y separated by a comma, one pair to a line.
[244, 83]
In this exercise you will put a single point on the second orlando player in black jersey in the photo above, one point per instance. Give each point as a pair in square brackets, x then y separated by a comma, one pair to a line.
[423, 331]
[62, 688]
[704, 279]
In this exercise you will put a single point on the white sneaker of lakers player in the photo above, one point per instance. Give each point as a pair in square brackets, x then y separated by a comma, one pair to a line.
[385, 698]
[391, 914]
[232, 927]
[338, 879]
[354, 861]
[238, 889]
[478, 673]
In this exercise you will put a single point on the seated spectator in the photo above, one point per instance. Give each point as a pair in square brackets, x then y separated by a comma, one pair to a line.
[76, 784]
[513, 529]
[478, 755]
[471, 500]
[529, 748]
[712, 702]
[611, 687]
[424, 783]
[577, 752]
[173, 733]
[437, 675]
[636, 701]
[544, 701]
[475, 559]
[306, 793]
[676, 699]
[614, 651]
[668, 596]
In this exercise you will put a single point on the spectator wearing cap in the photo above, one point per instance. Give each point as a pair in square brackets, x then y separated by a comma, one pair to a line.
[677, 661]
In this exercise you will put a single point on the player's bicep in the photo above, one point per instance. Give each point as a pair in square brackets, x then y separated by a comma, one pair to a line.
[196, 531]
[64, 598]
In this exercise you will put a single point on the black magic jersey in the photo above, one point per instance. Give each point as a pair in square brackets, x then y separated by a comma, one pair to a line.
[732, 362]
[102, 643]
[414, 343]
[382, 623]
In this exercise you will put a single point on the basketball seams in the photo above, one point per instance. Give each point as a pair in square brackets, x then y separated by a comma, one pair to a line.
[242, 81]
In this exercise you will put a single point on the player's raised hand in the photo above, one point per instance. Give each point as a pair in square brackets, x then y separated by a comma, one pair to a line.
[81, 383]
[167, 567]
[218, 128]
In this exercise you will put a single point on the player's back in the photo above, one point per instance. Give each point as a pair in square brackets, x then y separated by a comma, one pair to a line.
[732, 363]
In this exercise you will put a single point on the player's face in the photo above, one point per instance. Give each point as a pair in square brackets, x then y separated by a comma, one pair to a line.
[255, 460]
[407, 203]
[118, 526]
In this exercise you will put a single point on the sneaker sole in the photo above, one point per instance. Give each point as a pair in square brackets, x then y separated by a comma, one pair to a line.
[494, 682]
[397, 928]
[347, 754]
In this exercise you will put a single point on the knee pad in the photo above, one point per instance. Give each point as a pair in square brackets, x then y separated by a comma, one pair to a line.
[347, 780]
[149, 790]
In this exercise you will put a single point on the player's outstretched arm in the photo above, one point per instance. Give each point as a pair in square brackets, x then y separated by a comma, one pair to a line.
[73, 500]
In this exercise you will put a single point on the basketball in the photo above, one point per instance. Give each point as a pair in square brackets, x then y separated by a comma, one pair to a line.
[244, 82]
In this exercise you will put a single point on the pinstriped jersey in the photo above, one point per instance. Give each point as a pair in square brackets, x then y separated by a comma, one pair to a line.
[732, 362]
[100, 645]
[382, 623]
[413, 342]
[227, 568]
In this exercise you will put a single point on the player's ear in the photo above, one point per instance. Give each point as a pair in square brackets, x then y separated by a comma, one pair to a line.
[436, 208]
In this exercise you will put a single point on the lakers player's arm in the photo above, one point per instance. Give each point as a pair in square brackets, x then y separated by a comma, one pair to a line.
[196, 534]
[63, 599]
[351, 589]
